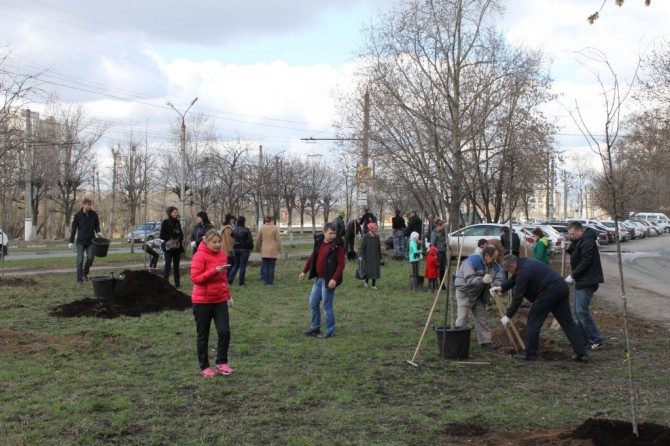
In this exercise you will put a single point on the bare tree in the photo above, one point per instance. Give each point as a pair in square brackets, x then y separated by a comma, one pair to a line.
[78, 136]
[449, 95]
[232, 161]
[614, 97]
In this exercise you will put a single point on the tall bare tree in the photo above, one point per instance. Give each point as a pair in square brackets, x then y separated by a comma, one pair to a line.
[614, 97]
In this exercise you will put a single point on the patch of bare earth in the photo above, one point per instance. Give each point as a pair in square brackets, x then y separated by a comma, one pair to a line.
[14, 341]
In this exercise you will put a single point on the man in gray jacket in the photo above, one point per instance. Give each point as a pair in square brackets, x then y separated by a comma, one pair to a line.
[474, 278]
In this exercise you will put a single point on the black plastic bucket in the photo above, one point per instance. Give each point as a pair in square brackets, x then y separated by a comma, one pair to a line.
[100, 246]
[456, 343]
[103, 286]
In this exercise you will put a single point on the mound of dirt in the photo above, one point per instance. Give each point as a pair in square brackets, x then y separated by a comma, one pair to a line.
[620, 433]
[139, 292]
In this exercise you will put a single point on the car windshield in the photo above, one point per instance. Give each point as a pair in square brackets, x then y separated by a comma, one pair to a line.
[146, 227]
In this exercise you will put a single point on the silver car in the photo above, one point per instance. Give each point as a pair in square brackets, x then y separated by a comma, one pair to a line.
[464, 241]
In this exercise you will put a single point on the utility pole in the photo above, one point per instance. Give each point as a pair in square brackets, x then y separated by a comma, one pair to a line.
[115, 154]
[183, 154]
[259, 207]
[28, 230]
[366, 140]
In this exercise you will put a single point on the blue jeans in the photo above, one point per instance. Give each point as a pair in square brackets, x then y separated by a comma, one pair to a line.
[585, 322]
[321, 292]
[268, 270]
[83, 269]
[241, 256]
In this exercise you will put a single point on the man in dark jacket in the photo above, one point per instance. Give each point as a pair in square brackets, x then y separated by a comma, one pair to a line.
[398, 225]
[504, 239]
[413, 224]
[367, 217]
[587, 274]
[350, 232]
[86, 226]
[549, 293]
[339, 224]
[326, 263]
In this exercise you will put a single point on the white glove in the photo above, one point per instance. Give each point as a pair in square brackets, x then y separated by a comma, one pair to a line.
[193, 244]
[569, 280]
[504, 320]
[487, 278]
[99, 234]
[70, 245]
[230, 302]
[495, 290]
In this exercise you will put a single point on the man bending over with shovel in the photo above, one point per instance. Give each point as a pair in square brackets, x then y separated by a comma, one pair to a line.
[549, 293]
[473, 279]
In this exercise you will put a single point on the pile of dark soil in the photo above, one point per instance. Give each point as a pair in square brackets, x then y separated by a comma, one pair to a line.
[139, 292]
[620, 433]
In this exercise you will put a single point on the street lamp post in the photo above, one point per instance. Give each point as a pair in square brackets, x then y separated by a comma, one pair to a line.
[183, 153]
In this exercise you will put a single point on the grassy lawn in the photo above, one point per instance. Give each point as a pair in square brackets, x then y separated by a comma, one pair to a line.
[89, 381]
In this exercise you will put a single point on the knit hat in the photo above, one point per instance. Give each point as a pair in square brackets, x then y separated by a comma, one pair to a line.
[414, 235]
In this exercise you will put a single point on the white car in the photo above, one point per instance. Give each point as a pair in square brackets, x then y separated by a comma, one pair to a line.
[468, 237]
[639, 227]
[636, 231]
[4, 242]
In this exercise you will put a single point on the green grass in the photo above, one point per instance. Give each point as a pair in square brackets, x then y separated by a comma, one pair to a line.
[88, 381]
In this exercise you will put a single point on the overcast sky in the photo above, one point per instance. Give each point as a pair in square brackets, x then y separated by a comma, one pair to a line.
[265, 70]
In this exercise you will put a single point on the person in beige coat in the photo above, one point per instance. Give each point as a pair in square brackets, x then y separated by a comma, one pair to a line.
[269, 245]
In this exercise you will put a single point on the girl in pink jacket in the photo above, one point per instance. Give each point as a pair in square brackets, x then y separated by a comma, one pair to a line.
[211, 299]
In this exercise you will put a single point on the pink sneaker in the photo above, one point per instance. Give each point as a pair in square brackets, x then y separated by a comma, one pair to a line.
[208, 372]
[223, 369]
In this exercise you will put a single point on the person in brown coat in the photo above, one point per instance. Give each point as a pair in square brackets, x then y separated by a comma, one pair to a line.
[227, 240]
[268, 243]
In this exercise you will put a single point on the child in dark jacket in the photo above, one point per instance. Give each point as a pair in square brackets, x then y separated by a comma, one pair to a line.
[432, 272]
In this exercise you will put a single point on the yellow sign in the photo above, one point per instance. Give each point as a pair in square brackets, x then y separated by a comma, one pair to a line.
[363, 174]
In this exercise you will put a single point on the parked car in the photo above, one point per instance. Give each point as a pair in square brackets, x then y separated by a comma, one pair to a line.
[4, 242]
[663, 224]
[470, 235]
[622, 233]
[652, 230]
[146, 231]
[633, 230]
[644, 231]
[603, 236]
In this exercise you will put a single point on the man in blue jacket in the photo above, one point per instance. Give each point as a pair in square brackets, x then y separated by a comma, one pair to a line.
[586, 275]
[85, 225]
[549, 293]
[473, 279]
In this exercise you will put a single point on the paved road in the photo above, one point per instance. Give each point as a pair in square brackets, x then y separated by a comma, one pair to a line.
[646, 272]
